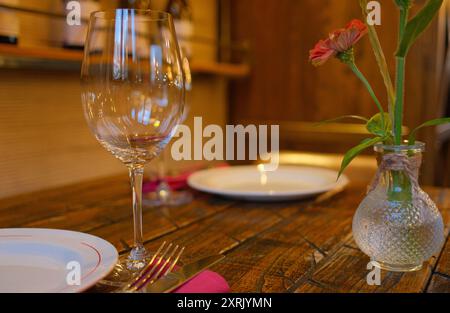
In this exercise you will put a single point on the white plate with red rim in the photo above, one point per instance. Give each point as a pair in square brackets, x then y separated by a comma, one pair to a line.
[47, 260]
[252, 183]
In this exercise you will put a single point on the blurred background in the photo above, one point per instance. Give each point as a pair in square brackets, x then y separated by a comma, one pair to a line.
[249, 64]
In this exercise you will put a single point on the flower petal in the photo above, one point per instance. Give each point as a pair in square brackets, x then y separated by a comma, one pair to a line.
[321, 53]
[339, 41]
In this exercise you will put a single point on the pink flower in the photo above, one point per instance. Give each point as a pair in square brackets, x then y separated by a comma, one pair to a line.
[339, 41]
[321, 53]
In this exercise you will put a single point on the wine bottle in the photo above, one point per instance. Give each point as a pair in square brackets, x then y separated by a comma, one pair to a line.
[183, 20]
[74, 35]
[9, 24]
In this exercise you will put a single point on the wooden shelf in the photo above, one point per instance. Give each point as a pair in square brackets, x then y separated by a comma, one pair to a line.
[16, 56]
[222, 69]
[56, 54]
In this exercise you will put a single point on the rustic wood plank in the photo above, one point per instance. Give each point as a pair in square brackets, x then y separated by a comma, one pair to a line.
[443, 266]
[439, 284]
[274, 260]
[158, 222]
[299, 246]
[345, 270]
[229, 229]
[222, 232]
[201, 207]
[89, 190]
[440, 280]
[289, 255]
[443, 202]
[38, 206]
[104, 208]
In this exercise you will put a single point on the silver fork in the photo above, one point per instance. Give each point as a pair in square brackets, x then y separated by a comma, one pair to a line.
[157, 267]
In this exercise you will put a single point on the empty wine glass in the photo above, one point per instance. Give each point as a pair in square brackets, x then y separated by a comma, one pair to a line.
[164, 195]
[133, 98]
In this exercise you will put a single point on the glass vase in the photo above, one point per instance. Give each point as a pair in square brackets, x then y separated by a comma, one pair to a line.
[397, 224]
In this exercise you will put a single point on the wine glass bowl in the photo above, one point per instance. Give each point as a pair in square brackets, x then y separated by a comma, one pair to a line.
[132, 98]
[164, 195]
[133, 93]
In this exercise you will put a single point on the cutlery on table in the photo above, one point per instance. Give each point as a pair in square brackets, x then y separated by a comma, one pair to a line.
[173, 280]
[161, 264]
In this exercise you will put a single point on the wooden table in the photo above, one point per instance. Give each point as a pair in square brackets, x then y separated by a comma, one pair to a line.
[285, 247]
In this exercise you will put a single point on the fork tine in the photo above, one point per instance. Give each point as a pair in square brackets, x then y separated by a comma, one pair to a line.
[155, 255]
[175, 261]
[161, 268]
[169, 268]
[150, 280]
[147, 267]
[145, 276]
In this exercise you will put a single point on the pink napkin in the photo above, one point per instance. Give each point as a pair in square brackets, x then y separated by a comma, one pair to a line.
[205, 282]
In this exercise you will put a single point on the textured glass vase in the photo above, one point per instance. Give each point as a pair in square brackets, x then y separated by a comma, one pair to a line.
[397, 224]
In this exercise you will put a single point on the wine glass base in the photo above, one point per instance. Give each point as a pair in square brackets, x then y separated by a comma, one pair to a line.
[125, 270]
[173, 199]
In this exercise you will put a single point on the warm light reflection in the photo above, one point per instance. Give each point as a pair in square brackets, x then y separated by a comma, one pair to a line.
[263, 174]
[120, 36]
[155, 62]
[187, 73]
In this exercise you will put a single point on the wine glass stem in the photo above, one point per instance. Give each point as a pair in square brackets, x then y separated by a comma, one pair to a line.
[138, 253]
[162, 166]
[163, 190]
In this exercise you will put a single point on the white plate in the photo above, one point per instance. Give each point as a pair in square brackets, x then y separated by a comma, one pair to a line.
[36, 260]
[249, 183]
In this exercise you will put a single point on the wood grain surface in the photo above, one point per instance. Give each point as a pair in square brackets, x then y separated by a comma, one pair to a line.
[304, 246]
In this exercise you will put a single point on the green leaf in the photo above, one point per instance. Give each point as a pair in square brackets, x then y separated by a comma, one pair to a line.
[417, 25]
[356, 117]
[375, 125]
[355, 151]
[436, 122]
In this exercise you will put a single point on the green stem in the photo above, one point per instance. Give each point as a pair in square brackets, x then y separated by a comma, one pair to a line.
[400, 82]
[381, 60]
[366, 83]
[399, 101]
